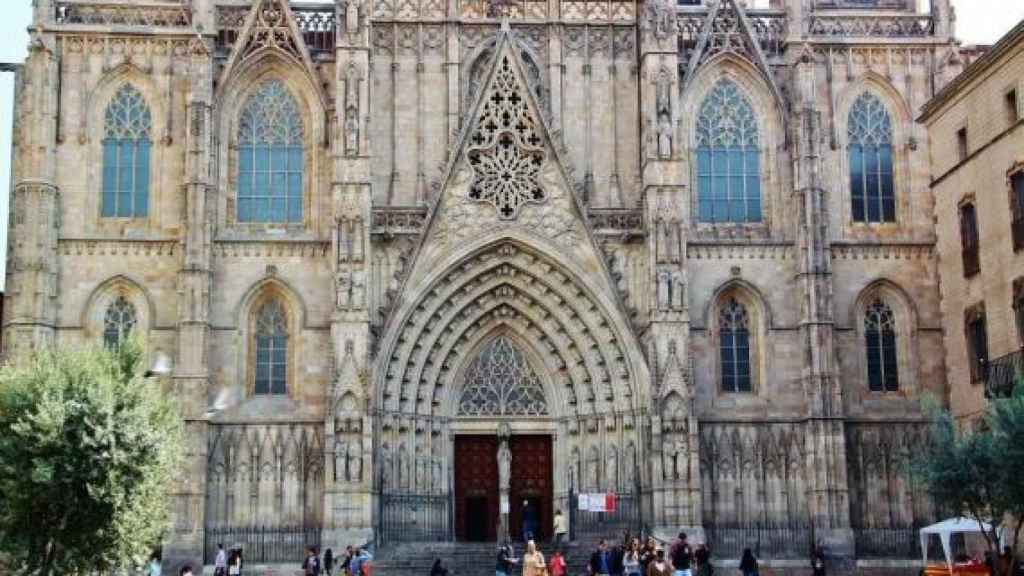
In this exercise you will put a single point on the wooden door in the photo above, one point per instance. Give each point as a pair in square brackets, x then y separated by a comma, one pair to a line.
[531, 481]
[476, 488]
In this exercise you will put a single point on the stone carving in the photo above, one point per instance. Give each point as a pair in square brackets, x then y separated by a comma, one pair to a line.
[500, 382]
[355, 463]
[659, 18]
[663, 108]
[352, 80]
[504, 459]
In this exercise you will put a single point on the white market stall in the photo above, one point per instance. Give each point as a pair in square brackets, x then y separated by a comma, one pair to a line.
[944, 530]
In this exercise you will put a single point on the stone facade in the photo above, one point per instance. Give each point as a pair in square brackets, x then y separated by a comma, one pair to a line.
[976, 141]
[650, 204]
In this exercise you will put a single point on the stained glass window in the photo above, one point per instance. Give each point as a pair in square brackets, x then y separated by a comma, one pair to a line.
[270, 157]
[271, 349]
[126, 145]
[500, 382]
[880, 340]
[118, 322]
[728, 157]
[734, 346]
[870, 153]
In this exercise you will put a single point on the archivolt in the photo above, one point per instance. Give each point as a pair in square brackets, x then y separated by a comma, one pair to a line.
[515, 288]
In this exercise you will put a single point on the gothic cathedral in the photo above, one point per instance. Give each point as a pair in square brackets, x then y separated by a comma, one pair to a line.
[679, 251]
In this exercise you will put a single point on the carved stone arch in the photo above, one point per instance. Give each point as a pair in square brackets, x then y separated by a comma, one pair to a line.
[902, 120]
[452, 289]
[770, 113]
[759, 318]
[480, 60]
[469, 360]
[905, 311]
[229, 103]
[261, 293]
[108, 292]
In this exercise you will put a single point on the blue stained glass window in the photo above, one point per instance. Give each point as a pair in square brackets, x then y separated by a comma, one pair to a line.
[271, 350]
[126, 144]
[734, 347]
[270, 157]
[872, 191]
[728, 157]
[880, 341]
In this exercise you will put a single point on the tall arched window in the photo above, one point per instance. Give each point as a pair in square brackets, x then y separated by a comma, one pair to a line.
[728, 157]
[126, 144]
[734, 346]
[118, 322]
[270, 157]
[872, 190]
[271, 349]
[880, 341]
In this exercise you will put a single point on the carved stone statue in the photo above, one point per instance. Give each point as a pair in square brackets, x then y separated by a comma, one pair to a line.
[664, 289]
[343, 286]
[664, 136]
[358, 289]
[352, 131]
[504, 465]
[340, 449]
[352, 19]
[678, 290]
[355, 463]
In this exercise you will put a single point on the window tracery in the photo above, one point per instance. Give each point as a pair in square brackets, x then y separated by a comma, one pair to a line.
[270, 156]
[271, 349]
[118, 322]
[870, 134]
[734, 346]
[880, 342]
[506, 150]
[126, 124]
[500, 382]
[728, 157]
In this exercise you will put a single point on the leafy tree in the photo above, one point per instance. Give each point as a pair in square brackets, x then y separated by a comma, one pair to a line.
[87, 452]
[978, 474]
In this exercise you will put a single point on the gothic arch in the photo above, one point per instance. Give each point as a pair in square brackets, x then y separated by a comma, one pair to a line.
[261, 293]
[479, 66]
[230, 101]
[588, 347]
[106, 293]
[906, 321]
[902, 123]
[759, 322]
[769, 114]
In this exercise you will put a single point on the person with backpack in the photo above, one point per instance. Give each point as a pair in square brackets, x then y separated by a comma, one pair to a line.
[681, 556]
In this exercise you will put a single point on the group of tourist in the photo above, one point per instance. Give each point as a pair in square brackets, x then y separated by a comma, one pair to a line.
[354, 562]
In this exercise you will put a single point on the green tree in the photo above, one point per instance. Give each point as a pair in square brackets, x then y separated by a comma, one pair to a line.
[978, 473]
[88, 448]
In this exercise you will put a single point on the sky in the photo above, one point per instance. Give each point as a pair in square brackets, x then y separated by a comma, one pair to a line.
[978, 22]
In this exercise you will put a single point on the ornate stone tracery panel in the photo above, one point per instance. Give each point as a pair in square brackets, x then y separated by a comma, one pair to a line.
[501, 382]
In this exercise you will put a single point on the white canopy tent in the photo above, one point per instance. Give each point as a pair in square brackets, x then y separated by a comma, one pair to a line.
[947, 528]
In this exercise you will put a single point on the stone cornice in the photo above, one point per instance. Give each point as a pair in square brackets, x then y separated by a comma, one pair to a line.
[880, 251]
[704, 250]
[263, 249]
[116, 247]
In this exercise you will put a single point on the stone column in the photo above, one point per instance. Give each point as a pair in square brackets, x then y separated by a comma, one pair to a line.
[348, 481]
[826, 449]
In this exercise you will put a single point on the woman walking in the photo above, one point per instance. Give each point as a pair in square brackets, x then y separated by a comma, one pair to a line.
[557, 565]
[748, 564]
[658, 566]
[631, 559]
[328, 562]
[533, 560]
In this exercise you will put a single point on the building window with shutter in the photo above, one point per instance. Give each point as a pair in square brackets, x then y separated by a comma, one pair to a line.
[977, 341]
[969, 239]
[1017, 210]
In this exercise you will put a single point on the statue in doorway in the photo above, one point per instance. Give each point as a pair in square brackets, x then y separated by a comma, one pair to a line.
[504, 458]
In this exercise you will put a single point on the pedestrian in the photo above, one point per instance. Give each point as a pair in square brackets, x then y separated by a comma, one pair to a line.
[186, 570]
[658, 565]
[561, 527]
[631, 565]
[360, 562]
[346, 562]
[557, 565]
[818, 561]
[703, 557]
[220, 564]
[506, 560]
[617, 553]
[235, 562]
[748, 564]
[328, 562]
[309, 564]
[600, 561]
[529, 521]
[533, 560]
[438, 568]
[154, 568]
[648, 554]
[681, 556]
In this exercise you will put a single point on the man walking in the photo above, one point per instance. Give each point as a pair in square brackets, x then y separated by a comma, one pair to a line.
[220, 564]
[561, 528]
[505, 561]
[681, 556]
[601, 560]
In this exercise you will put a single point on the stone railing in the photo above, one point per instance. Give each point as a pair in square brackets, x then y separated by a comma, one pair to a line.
[316, 22]
[570, 10]
[768, 25]
[152, 14]
[847, 25]
[398, 220]
[617, 222]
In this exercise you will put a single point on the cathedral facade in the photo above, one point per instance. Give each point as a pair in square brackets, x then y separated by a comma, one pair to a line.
[679, 252]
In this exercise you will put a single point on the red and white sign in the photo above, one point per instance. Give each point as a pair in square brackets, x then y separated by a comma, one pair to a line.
[597, 502]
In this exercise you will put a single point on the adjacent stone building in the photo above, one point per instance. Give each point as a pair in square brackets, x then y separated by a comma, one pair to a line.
[683, 253]
[977, 150]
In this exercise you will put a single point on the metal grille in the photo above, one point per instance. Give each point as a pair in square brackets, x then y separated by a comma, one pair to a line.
[765, 540]
[262, 544]
[415, 518]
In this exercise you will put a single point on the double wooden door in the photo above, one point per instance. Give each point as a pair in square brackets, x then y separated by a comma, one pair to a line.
[477, 500]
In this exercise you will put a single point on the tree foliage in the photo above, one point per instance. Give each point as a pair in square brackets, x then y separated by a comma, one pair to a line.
[978, 473]
[87, 452]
